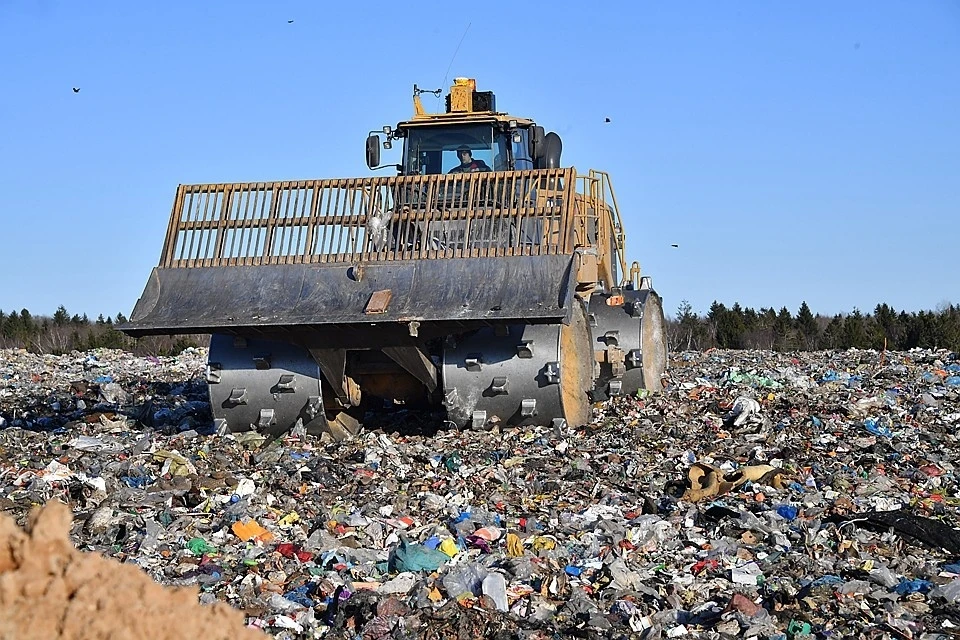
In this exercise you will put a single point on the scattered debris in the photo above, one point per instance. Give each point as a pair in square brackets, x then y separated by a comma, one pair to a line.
[762, 494]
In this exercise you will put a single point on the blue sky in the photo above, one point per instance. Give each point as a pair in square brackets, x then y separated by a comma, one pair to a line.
[794, 151]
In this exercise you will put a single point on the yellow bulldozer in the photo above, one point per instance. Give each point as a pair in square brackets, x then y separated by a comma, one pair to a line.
[484, 281]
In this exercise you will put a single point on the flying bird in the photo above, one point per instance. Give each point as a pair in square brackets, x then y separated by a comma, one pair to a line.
[289, 21]
[606, 119]
[76, 89]
[675, 245]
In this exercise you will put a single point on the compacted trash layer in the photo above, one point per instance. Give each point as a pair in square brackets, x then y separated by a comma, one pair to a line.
[761, 494]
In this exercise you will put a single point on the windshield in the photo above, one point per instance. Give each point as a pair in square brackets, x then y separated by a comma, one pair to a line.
[434, 149]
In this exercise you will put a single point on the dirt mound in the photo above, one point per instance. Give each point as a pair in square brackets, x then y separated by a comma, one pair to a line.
[50, 590]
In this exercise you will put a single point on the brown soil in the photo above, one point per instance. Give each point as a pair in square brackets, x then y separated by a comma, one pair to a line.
[50, 590]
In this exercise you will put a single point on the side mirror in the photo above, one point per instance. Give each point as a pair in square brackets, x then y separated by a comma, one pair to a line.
[373, 151]
[550, 150]
[536, 141]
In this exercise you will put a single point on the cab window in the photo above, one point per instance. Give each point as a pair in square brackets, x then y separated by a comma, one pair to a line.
[434, 150]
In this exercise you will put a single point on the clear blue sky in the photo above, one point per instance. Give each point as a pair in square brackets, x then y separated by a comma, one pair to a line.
[794, 151]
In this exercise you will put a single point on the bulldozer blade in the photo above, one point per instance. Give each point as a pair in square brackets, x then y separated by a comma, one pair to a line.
[275, 297]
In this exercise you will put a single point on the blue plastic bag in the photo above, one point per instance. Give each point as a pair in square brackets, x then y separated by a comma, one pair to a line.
[873, 426]
[787, 511]
[913, 586]
[300, 596]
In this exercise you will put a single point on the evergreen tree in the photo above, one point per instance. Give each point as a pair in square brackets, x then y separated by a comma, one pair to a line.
[756, 334]
[60, 316]
[950, 327]
[11, 328]
[728, 325]
[807, 327]
[833, 333]
[735, 329]
[27, 326]
[783, 328]
[715, 318]
[886, 326]
[929, 330]
[855, 331]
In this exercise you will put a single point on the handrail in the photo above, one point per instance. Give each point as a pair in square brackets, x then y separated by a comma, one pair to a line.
[616, 223]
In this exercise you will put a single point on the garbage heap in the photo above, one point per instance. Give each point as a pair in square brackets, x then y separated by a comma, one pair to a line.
[762, 494]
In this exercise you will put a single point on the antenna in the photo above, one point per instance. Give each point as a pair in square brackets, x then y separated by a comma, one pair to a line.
[454, 57]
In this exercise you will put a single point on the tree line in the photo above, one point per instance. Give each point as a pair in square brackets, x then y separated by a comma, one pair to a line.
[63, 333]
[722, 327]
[745, 328]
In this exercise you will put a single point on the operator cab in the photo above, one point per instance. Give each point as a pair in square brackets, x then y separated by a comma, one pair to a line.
[432, 140]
